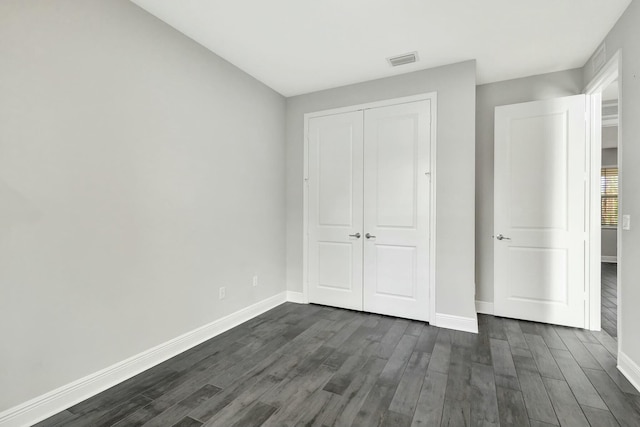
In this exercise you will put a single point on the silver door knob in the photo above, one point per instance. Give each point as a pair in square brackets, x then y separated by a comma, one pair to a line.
[501, 237]
[357, 235]
[369, 236]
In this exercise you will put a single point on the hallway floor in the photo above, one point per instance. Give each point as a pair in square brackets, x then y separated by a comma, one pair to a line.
[610, 298]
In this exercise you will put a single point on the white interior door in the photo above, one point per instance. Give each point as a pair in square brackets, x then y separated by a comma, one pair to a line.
[335, 210]
[540, 189]
[396, 214]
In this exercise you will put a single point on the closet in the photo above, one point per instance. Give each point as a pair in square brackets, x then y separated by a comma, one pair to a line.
[369, 180]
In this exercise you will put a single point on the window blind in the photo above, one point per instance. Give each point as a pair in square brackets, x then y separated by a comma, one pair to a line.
[609, 193]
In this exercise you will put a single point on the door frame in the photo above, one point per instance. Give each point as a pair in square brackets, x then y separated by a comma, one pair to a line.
[431, 96]
[610, 72]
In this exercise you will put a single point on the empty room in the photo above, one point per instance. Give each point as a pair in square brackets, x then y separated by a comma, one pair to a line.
[319, 213]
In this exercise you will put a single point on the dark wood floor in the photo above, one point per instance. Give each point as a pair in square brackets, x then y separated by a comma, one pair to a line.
[306, 365]
[609, 275]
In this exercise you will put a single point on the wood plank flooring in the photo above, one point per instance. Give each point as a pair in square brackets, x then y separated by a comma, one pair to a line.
[308, 365]
[609, 291]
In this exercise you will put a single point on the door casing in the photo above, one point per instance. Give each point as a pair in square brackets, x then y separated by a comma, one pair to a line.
[432, 96]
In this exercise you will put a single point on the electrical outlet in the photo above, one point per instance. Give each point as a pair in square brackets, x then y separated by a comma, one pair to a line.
[223, 292]
[255, 280]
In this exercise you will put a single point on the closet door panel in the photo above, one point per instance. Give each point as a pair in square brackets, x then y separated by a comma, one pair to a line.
[335, 211]
[396, 210]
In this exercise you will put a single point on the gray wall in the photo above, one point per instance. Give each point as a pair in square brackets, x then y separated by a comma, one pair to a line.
[609, 155]
[625, 35]
[138, 173]
[609, 242]
[488, 97]
[609, 236]
[455, 85]
[610, 137]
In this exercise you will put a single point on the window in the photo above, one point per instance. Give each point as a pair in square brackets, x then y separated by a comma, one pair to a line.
[609, 192]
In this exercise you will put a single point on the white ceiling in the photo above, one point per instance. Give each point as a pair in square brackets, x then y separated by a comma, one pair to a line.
[300, 46]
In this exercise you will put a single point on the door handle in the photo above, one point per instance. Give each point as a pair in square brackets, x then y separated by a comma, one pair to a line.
[357, 235]
[369, 236]
[501, 237]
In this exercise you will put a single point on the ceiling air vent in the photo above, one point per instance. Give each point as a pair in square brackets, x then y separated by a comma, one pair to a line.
[406, 58]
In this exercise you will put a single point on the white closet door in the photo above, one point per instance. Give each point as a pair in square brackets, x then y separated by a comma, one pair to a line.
[335, 210]
[540, 187]
[396, 213]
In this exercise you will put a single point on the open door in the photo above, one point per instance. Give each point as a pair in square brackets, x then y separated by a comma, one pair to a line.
[539, 220]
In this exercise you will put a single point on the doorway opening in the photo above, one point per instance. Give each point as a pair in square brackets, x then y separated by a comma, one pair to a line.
[605, 219]
[610, 203]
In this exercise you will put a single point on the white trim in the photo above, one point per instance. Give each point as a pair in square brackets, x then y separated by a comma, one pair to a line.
[593, 213]
[618, 61]
[629, 369]
[296, 297]
[610, 259]
[610, 121]
[433, 97]
[458, 323]
[48, 404]
[609, 73]
[305, 213]
[432, 206]
[484, 307]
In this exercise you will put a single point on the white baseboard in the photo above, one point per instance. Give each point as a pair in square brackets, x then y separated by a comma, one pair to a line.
[484, 307]
[610, 259]
[465, 324]
[629, 369]
[51, 403]
[297, 297]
